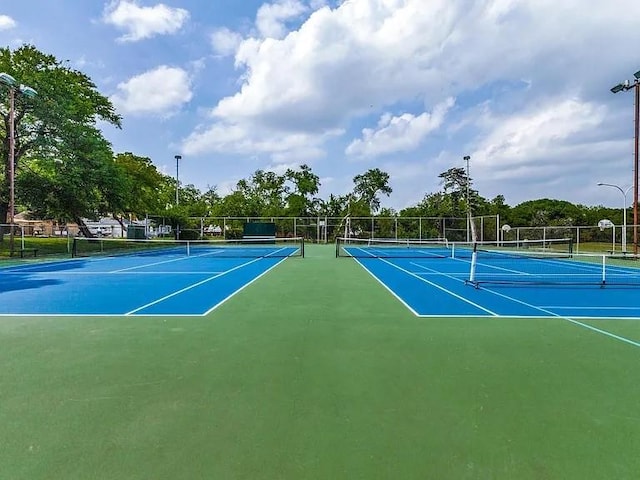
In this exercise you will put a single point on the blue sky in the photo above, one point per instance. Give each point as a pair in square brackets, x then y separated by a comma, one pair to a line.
[408, 86]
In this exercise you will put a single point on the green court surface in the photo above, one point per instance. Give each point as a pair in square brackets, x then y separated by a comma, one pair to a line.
[315, 371]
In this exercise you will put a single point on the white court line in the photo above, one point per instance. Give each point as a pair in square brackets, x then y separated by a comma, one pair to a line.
[98, 272]
[242, 287]
[387, 288]
[553, 314]
[564, 307]
[435, 285]
[197, 284]
[568, 319]
[186, 257]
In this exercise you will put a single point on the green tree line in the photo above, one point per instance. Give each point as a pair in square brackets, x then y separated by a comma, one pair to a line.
[66, 170]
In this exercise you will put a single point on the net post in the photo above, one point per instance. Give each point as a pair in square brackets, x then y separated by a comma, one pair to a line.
[337, 247]
[188, 244]
[604, 269]
[302, 246]
[474, 258]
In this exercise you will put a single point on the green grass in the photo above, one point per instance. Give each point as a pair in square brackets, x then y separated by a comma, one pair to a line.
[46, 246]
[316, 372]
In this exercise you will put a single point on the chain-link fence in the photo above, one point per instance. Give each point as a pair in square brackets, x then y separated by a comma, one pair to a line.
[50, 238]
[325, 229]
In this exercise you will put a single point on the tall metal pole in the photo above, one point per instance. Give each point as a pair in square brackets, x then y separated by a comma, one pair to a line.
[635, 170]
[12, 166]
[623, 87]
[177, 157]
[624, 224]
[467, 158]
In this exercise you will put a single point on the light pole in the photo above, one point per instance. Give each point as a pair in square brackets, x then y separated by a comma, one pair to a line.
[623, 87]
[29, 92]
[466, 158]
[624, 212]
[177, 157]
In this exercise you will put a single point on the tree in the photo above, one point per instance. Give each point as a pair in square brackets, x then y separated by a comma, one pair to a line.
[456, 184]
[211, 198]
[261, 195]
[369, 184]
[306, 183]
[147, 190]
[83, 182]
[543, 212]
[437, 204]
[59, 124]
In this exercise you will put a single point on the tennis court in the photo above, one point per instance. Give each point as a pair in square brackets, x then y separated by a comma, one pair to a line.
[131, 277]
[513, 279]
[314, 369]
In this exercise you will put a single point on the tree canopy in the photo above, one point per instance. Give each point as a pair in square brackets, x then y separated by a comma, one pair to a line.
[57, 126]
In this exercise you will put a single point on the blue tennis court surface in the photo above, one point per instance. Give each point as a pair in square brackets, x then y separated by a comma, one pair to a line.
[437, 286]
[146, 284]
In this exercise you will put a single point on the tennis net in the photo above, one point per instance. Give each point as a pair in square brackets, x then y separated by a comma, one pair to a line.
[553, 268]
[392, 248]
[241, 248]
[442, 248]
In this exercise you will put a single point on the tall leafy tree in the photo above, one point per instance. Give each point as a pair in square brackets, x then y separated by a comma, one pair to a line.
[211, 198]
[59, 124]
[83, 182]
[306, 184]
[147, 190]
[456, 184]
[370, 184]
[264, 193]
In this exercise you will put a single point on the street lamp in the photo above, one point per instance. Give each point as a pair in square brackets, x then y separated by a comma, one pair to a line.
[14, 87]
[466, 158]
[624, 212]
[177, 157]
[623, 87]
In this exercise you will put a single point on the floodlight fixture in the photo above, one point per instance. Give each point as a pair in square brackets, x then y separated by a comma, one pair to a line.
[27, 91]
[617, 88]
[8, 80]
[637, 75]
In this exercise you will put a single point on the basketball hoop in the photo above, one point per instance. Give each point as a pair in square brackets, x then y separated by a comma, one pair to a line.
[604, 224]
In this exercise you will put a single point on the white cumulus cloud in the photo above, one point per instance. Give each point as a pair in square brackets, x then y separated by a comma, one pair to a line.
[271, 17]
[159, 91]
[6, 22]
[560, 145]
[399, 134]
[144, 22]
[225, 42]
[281, 147]
[305, 77]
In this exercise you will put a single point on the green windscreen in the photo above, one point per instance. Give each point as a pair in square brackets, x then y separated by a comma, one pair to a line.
[259, 229]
